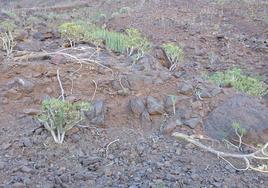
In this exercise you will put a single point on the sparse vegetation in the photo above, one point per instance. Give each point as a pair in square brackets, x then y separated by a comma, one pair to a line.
[132, 43]
[235, 78]
[174, 54]
[7, 37]
[72, 31]
[59, 116]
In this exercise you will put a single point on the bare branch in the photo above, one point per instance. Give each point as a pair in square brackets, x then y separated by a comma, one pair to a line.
[246, 157]
[61, 87]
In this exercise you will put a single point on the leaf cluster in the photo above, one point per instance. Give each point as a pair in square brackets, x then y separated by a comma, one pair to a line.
[60, 116]
[235, 78]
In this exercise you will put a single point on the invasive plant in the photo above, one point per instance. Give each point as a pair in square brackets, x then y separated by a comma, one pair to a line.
[132, 43]
[136, 42]
[59, 116]
[72, 31]
[7, 38]
[116, 41]
[240, 132]
[235, 78]
[174, 54]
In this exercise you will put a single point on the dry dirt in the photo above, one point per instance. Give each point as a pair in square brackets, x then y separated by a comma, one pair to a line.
[123, 149]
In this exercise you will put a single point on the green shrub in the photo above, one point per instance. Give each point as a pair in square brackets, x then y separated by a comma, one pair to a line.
[60, 116]
[135, 41]
[235, 78]
[174, 54]
[7, 42]
[72, 31]
[132, 43]
[115, 42]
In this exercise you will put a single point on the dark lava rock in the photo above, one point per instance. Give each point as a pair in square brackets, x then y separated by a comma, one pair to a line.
[164, 75]
[97, 113]
[2, 165]
[26, 169]
[145, 118]
[137, 106]
[247, 111]
[154, 106]
[32, 46]
[185, 88]
[58, 59]
[92, 163]
[193, 122]
[26, 142]
[171, 125]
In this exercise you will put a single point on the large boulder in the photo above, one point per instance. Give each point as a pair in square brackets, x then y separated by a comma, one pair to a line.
[245, 110]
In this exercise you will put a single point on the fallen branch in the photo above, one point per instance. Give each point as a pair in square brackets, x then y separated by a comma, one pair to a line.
[96, 87]
[46, 55]
[61, 87]
[260, 154]
[107, 147]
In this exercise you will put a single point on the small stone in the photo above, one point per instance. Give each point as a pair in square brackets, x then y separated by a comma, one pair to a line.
[170, 101]
[108, 172]
[25, 85]
[154, 106]
[195, 177]
[32, 46]
[165, 75]
[193, 122]
[49, 90]
[145, 118]
[185, 88]
[18, 185]
[169, 127]
[22, 36]
[197, 105]
[2, 165]
[38, 131]
[4, 100]
[26, 169]
[205, 94]
[58, 59]
[177, 74]
[26, 142]
[6, 146]
[75, 138]
[13, 94]
[178, 151]
[216, 91]
[137, 106]
[97, 113]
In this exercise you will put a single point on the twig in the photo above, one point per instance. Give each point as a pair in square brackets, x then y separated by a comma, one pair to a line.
[62, 90]
[223, 155]
[107, 147]
[96, 87]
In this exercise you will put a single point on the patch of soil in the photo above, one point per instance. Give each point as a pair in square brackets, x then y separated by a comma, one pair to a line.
[126, 140]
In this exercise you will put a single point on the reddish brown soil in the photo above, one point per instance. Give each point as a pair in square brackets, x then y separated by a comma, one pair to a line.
[214, 37]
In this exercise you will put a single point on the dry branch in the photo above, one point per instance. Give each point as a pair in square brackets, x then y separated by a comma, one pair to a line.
[260, 154]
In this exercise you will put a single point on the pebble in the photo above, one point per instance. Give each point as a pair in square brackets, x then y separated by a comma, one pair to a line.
[137, 105]
[26, 169]
[2, 165]
[154, 106]
[193, 122]
[185, 88]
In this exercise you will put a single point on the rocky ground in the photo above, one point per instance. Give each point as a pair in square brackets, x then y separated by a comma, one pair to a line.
[126, 139]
